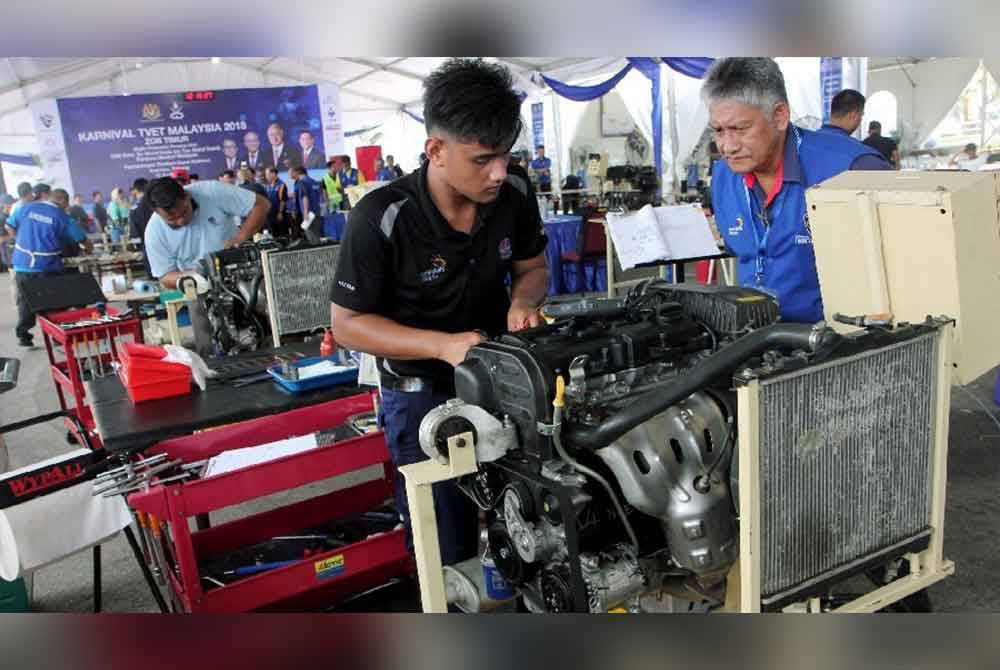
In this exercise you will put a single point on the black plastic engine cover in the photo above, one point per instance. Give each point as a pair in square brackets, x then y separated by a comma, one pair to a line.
[515, 374]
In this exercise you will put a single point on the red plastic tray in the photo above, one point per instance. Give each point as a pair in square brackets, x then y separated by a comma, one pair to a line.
[147, 377]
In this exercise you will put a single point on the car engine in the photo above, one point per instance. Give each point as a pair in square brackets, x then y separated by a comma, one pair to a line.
[606, 440]
[235, 306]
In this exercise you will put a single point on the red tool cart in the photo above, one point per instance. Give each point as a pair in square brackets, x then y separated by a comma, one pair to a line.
[83, 343]
[178, 554]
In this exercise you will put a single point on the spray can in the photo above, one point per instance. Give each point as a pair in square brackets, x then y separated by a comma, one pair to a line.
[328, 346]
[497, 587]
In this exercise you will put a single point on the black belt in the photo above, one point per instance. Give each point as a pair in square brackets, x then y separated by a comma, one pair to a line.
[412, 384]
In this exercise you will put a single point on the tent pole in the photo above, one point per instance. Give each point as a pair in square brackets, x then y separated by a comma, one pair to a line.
[557, 131]
[672, 107]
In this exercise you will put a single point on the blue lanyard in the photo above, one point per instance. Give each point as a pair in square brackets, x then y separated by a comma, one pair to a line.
[760, 241]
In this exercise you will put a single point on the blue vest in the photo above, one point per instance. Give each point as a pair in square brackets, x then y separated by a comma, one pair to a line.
[780, 259]
[348, 178]
[42, 230]
[273, 193]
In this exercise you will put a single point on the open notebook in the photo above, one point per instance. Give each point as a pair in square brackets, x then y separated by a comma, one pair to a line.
[653, 234]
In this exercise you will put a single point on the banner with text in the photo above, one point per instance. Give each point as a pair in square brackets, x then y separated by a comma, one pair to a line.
[112, 140]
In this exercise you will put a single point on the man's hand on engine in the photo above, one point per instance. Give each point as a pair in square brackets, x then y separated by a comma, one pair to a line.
[456, 345]
[521, 316]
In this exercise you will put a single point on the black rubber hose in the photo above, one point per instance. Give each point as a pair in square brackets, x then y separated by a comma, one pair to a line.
[724, 361]
[254, 290]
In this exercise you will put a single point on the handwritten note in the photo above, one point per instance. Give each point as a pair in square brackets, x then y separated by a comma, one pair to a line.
[661, 234]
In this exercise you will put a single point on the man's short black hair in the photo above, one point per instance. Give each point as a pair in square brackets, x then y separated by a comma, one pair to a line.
[273, 169]
[23, 189]
[331, 163]
[193, 176]
[250, 170]
[164, 193]
[345, 159]
[95, 194]
[474, 101]
[847, 101]
[227, 173]
[297, 170]
[139, 185]
[874, 125]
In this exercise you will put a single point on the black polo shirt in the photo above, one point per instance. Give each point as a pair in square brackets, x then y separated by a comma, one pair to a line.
[883, 145]
[399, 258]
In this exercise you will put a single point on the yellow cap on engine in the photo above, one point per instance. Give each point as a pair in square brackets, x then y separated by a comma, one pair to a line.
[560, 392]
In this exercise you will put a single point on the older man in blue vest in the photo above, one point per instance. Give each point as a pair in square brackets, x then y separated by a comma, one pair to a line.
[758, 188]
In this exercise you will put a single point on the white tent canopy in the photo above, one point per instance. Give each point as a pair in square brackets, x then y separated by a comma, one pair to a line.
[375, 91]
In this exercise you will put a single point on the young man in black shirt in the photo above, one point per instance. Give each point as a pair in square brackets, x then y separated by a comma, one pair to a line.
[423, 261]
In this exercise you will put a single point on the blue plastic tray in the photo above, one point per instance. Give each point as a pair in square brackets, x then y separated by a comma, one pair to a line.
[319, 382]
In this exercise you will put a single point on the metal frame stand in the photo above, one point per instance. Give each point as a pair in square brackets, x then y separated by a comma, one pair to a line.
[420, 477]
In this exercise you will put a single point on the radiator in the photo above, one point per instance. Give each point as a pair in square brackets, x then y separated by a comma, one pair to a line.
[845, 465]
[298, 285]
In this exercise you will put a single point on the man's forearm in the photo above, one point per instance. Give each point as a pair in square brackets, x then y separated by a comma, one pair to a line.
[169, 280]
[380, 336]
[531, 287]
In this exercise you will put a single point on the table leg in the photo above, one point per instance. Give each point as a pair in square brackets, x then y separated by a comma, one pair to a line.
[97, 579]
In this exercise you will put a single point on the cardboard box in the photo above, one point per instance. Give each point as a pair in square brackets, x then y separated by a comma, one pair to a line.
[913, 244]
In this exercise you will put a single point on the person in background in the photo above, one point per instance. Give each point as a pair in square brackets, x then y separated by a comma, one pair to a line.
[6, 238]
[138, 218]
[423, 264]
[382, 173]
[311, 156]
[758, 191]
[248, 180]
[194, 177]
[60, 198]
[228, 177]
[78, 213]
[191, 221]
[24, 195]
[100, 213]
[230, 154]
[968, 158]
[307, 201]
[43, 229]
[390, 162]
[846, 110]
[181, 176]
[277, 196]
[253, 157]
[542, 167]
[884, 145]
[348, 176]
[331, 185]
[118, 210]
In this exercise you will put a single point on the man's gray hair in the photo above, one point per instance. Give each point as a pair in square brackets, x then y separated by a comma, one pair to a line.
[753, 81]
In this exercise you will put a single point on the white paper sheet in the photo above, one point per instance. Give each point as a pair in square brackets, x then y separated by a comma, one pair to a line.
[661, 234]
[636, 237]
[686, 231]
[50, 527]
[235, 459]
[319, 369]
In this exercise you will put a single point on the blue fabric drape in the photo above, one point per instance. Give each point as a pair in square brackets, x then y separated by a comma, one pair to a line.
[585, 93]
[692, 67]
[416, 117]
[651, 69]
[19, 159]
